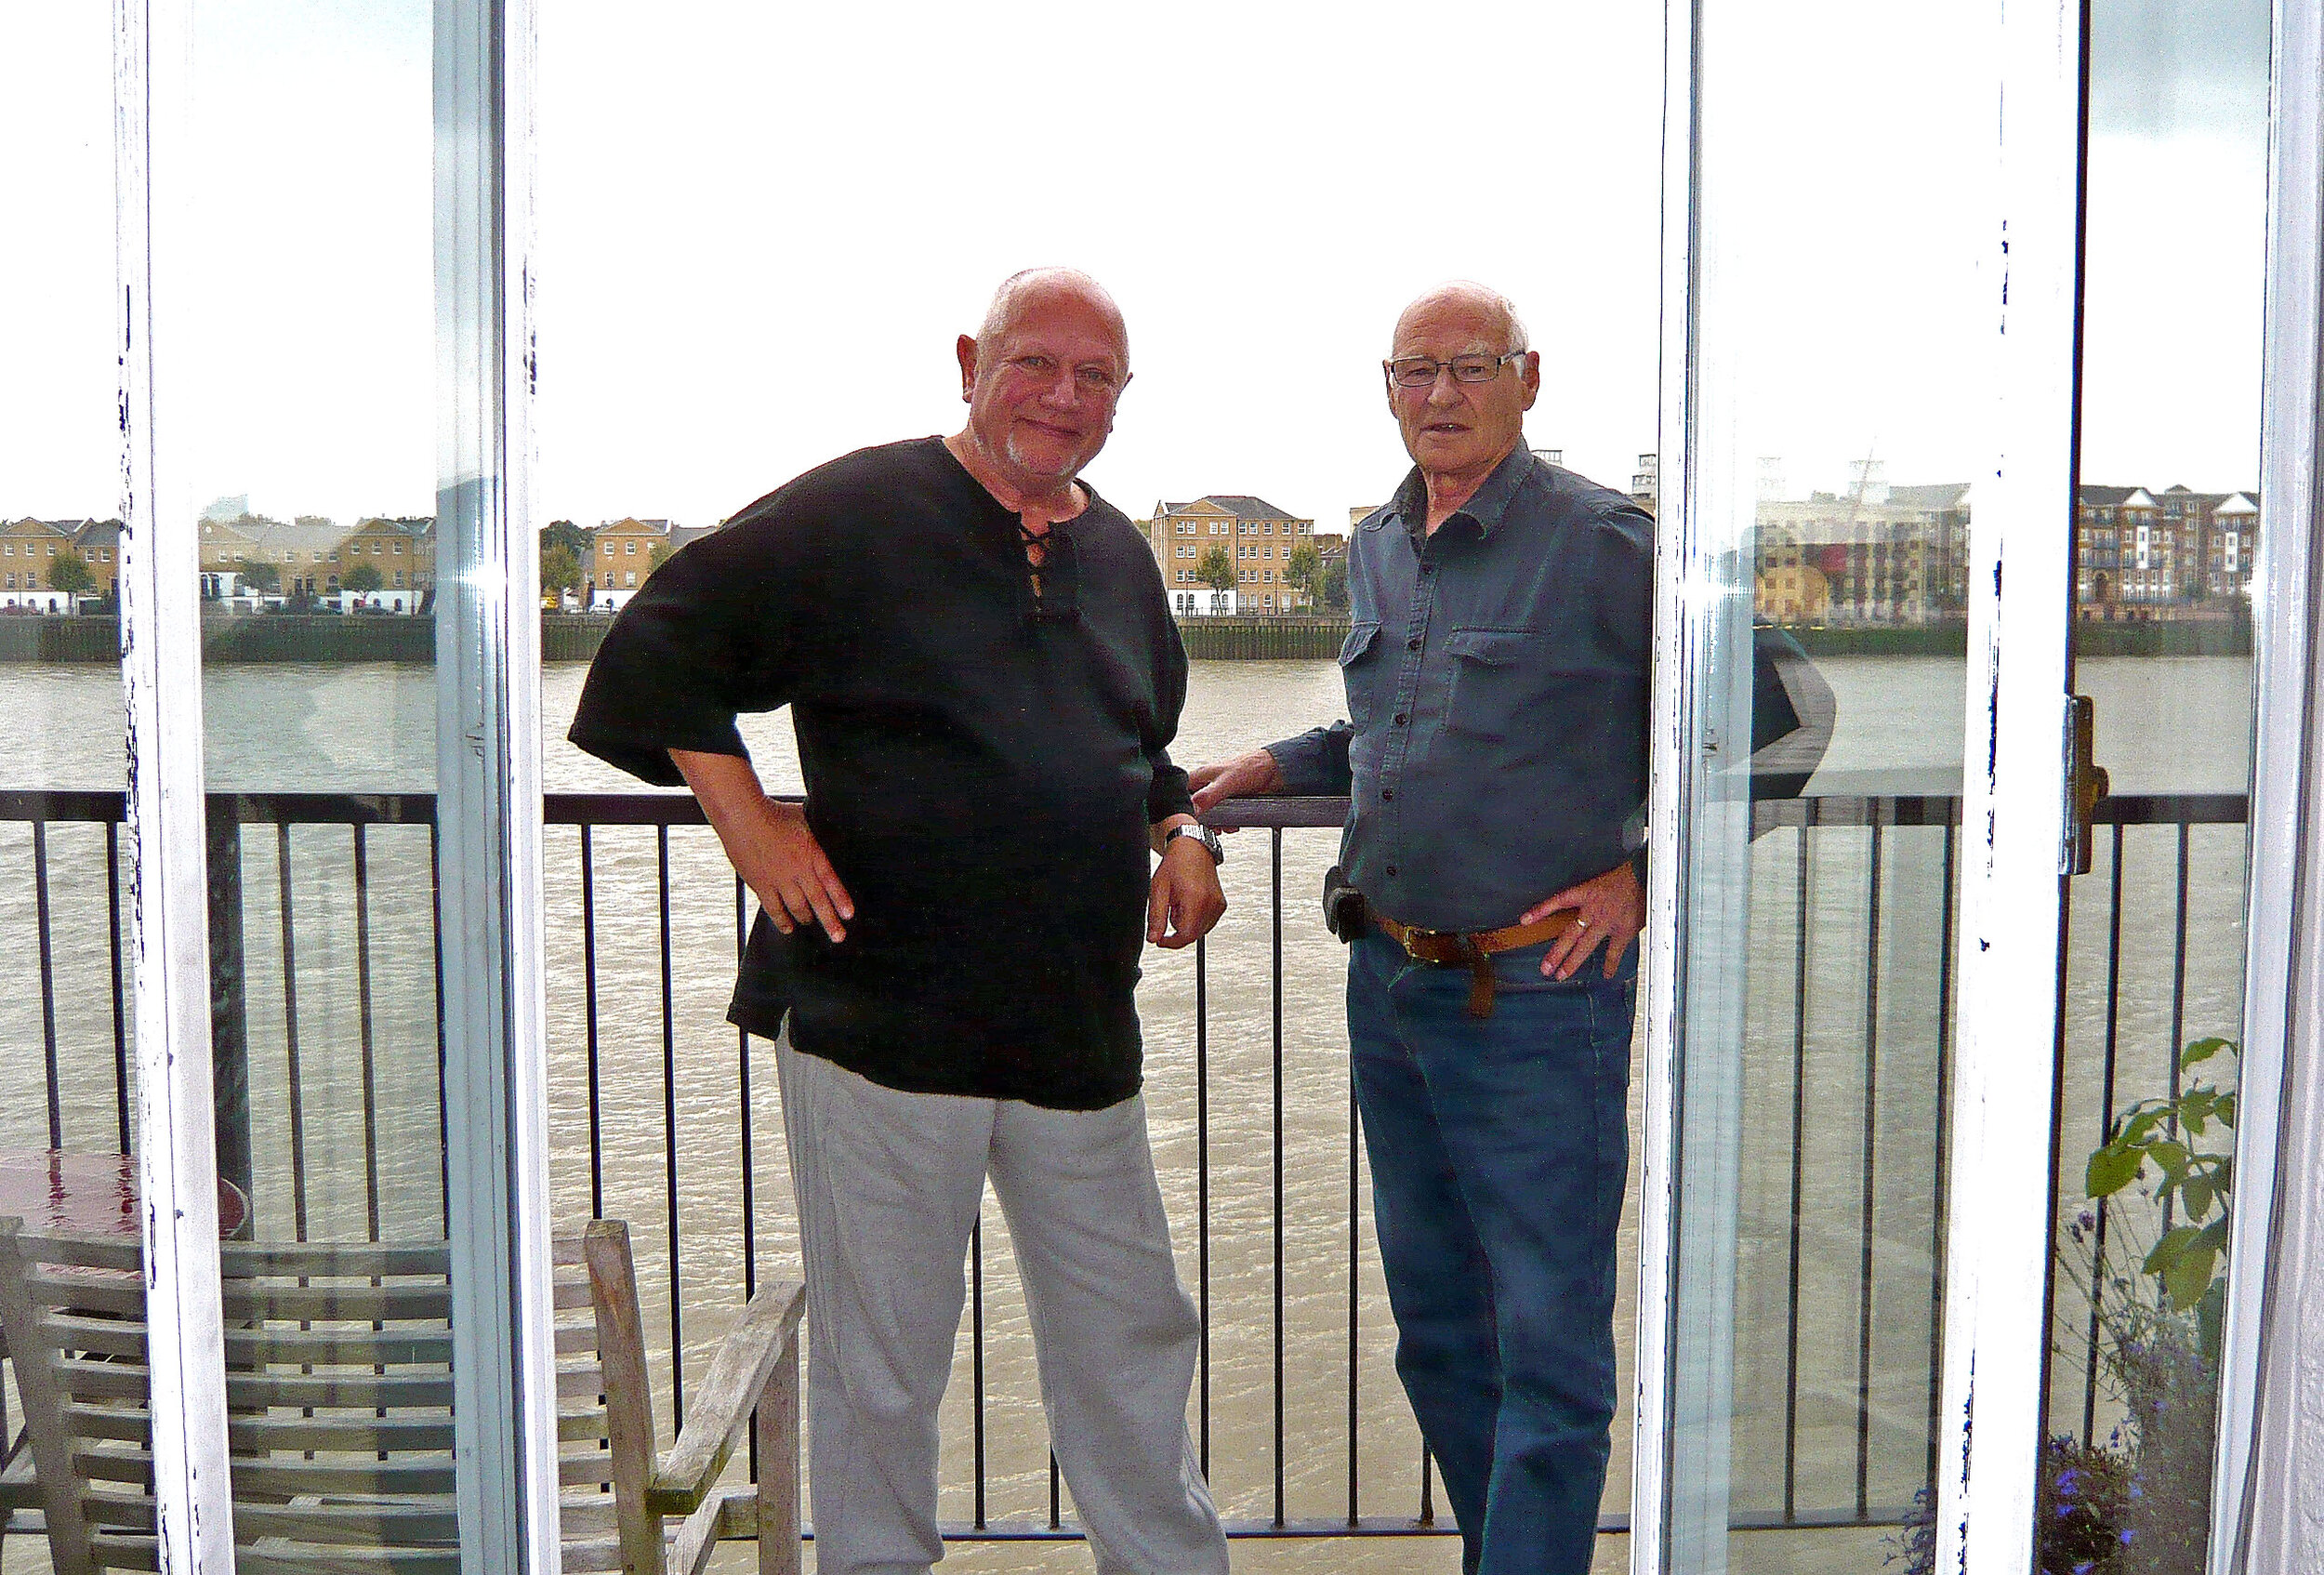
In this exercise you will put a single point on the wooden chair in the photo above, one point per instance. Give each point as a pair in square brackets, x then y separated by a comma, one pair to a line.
[338, 1391]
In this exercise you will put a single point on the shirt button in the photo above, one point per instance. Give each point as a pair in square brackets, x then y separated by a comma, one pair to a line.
[1392, 869]
[1413, 644]
[1401, 719]
[1428, 568]
[1387, 795]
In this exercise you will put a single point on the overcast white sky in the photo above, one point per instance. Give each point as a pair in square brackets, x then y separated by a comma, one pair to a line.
[761, 227]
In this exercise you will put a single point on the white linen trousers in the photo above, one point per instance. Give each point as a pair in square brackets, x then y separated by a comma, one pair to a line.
[889, 1185]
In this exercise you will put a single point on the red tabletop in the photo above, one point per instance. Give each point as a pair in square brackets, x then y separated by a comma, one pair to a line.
[95, 1193]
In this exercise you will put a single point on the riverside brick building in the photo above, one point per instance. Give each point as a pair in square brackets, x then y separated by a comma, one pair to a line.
[1257, 536]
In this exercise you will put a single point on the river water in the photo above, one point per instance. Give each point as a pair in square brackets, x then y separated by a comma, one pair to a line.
[2164, 726]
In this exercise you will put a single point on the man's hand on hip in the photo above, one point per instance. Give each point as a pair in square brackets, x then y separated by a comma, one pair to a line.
[1612, 910]
[1184, 900]
[1245, 776]
[768, 844]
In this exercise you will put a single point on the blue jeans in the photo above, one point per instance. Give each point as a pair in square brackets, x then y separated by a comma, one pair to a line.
[1499, 1150]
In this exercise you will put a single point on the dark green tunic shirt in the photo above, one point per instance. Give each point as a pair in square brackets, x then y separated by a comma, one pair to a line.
[982, 764]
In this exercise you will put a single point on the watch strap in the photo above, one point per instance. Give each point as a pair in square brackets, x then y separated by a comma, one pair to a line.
[1201, 833]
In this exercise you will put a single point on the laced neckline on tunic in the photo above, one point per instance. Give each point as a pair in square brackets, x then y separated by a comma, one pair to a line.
[1038, 545]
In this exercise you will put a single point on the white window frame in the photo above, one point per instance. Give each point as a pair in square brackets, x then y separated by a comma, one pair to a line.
[1996, 1320]
[488, 807]
[2263, 1518]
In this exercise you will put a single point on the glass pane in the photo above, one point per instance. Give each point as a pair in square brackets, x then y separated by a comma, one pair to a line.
[311, 443]
[68, 1081]
[1841, 433]
[298, 383]
[61, 780]
[691, 345]
[2164, 525]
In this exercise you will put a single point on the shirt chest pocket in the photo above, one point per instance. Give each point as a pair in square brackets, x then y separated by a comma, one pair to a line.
[1506, 684]
[1368, 675]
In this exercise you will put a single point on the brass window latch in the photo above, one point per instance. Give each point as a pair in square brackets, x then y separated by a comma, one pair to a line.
[2086, 783]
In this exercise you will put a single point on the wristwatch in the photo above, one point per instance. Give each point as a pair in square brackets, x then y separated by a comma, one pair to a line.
[1201, 833]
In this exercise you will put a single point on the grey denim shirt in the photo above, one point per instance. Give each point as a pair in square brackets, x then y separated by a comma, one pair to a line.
[1496, 746]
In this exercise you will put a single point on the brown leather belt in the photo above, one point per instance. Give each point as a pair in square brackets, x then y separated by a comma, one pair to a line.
[1474, 948]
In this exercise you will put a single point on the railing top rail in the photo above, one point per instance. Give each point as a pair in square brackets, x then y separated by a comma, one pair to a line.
[1287, 813]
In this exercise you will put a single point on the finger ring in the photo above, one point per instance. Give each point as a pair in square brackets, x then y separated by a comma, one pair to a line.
[1582, 925]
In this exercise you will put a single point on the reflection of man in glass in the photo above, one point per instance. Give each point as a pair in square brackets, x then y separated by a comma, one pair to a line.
[985, 679]
[1496, 755]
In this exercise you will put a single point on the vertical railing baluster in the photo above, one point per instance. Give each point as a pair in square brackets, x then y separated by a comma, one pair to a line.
[1942, 1142]
[2106, 1128]
[443, 1117]
[1056, 1500]
[121, 1015]
[588, 1016]
[1275, 899]
[367, 1064]
[1428, 1487]
[1355, 1306]
[669, 1132]
[742, 1100]
[290, 1033]
[48, 984]
[976, 1350]
[229, 1014]
[363, 1027]
[2178, 1000]
[1798, 1161]
[1871, 1128]
[1202, 1188]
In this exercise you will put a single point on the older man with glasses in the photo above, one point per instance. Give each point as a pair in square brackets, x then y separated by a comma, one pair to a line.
[1496, 758]
[985, 679]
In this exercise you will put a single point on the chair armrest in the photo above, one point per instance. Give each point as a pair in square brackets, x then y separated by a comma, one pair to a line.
[738, 1374]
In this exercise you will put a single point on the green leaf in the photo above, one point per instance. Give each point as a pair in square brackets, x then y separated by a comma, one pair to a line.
[2174, 1242]
[2111, 1170]
[2210, 1316]
[2227, 1109]
[2195, 1192]
[2140, 1121]
[2170, 1157]
[2186, 1276]
[2204, 1050]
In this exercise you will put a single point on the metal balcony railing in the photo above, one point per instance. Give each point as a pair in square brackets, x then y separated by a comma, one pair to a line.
[324, 981]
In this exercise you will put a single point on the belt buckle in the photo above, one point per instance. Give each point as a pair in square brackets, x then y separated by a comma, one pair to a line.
[1412, 935]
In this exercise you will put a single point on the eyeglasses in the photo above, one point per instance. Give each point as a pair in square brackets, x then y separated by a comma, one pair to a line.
[1420, 371]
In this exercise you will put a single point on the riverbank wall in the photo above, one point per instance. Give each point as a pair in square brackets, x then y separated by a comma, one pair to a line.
[282, 638]
[1298, 639]
[576, 637]
[2218, 637]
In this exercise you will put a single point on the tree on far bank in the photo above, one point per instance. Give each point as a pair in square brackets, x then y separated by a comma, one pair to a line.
[258, 575]
[71, 576]
[560, 568]
[565, 533]
[362, 579]
[1335, 595]
[1215, 569]
[1305, 571]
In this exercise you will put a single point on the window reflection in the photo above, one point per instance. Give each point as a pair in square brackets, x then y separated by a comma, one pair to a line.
[2164, 529]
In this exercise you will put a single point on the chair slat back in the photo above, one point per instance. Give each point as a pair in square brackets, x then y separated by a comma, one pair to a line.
[338, 1392]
